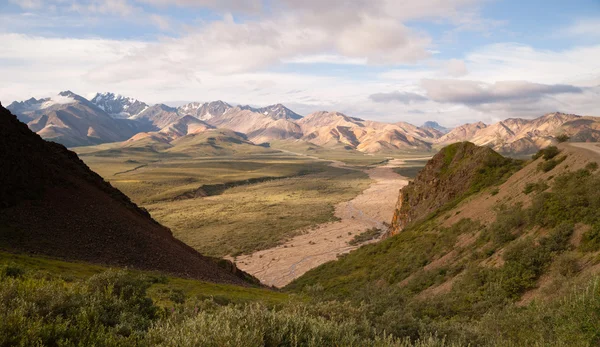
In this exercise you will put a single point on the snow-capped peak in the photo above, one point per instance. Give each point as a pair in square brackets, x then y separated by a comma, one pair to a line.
[117, 105]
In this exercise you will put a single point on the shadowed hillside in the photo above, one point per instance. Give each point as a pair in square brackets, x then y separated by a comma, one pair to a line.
[52, 203]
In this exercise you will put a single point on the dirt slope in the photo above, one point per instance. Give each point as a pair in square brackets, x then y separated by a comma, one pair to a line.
[51, 203]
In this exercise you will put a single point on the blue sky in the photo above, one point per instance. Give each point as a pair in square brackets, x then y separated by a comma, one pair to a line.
[451, 61]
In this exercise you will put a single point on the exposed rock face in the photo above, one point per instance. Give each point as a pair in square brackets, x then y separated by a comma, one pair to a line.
[118, 106]
[449, 175]
[516, 136]
[51, 203]
[334, 129]
[205, 111]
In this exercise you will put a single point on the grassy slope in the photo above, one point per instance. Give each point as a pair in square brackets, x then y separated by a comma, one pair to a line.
[339, 153]
[72, 271]
[448, 269]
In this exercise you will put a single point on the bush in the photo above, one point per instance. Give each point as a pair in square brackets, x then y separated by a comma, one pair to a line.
[11, 270]
[591, 166]
[547, 153]
[509, 221]
[562, 138]
[547, 166]
[368, 235]
[537, 187]
[590, 240]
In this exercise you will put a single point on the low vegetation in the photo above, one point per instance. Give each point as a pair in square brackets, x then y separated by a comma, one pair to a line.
[260, 199]
[410, 168]
[248, 218]
[368, 235]
[479, 284]
[116, 308]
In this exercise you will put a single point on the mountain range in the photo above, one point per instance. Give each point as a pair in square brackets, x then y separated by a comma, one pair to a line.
[75, 121]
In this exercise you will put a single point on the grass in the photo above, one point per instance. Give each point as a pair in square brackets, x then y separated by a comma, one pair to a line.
[241, 217]
[92, 306]
[79, 271]
[485, 279]
[259, 216]
[368, 235]
[410, 168]
[340, 153]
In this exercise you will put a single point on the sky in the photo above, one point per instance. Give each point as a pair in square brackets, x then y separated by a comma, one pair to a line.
[450, 61]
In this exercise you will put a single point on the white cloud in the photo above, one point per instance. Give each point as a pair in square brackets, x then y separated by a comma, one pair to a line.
[477, 93]
[397, 96]
[456, 68]
[586, 28]
[510, 61]
[325, 59]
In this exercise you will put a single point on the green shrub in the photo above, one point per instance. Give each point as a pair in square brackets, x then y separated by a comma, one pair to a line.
[509, 222]
[562, 138]
[548, 165]
[590, 240]
[567, 265]
[368, 235]
[535, 187]
[547, 153]
[591, 166]
[11, 270]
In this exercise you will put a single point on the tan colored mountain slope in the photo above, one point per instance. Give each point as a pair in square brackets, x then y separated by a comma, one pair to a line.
[516, 136]
[334, 128]
[73, 121]
[259, 127]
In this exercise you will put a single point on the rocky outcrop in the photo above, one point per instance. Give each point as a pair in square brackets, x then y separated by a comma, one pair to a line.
[455, 172]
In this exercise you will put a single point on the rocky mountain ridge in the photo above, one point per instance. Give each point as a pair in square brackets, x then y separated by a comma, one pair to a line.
[109, 117]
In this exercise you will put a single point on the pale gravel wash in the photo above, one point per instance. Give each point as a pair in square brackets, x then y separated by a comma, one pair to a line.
[372, 208]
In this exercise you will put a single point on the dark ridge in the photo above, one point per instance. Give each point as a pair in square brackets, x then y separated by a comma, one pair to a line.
[51, 203]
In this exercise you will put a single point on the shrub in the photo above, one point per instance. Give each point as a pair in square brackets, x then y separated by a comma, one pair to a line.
[590, 240]
[537, 187]
[509, 221]
[11, 270]
[591, 166]
[368, 235]
[548, 165]
[562, 138]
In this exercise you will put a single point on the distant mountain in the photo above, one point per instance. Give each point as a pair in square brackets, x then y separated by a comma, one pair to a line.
[206, 110]
[435, 126]
[158, 116]
[277, 111]
[187, 125]
[73, 121]
[51, 203]
[259, 127]
[517, 136]
[117, 105]
[334, 128]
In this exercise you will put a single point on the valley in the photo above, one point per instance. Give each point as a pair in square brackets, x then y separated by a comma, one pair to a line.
[254, 200]
[371, 209]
